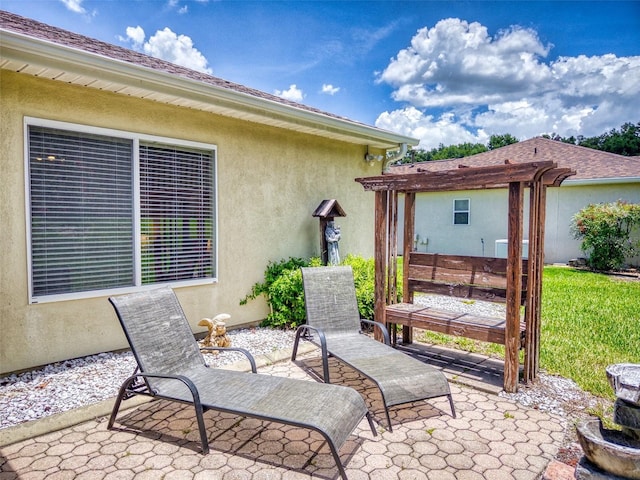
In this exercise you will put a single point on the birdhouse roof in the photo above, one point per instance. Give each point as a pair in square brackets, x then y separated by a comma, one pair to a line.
[329, 209]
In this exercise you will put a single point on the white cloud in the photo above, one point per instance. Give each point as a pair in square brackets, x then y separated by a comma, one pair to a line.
[166, 45]
[293, 93]
[446, 130]
[502, 84]
[74, 5]
[136, 35]
[329, 89]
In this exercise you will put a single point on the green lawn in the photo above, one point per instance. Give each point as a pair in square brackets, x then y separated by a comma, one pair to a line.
[589, 321]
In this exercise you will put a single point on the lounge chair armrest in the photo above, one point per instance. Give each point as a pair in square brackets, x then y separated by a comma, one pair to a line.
[383, 329]
[246, 352]
[323, 340]
[323, 347]
[190, 385]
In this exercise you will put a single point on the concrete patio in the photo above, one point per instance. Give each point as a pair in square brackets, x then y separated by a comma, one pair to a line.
[492, 438]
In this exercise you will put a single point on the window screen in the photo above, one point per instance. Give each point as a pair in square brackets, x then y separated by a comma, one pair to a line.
[81, 211]
[176, 206]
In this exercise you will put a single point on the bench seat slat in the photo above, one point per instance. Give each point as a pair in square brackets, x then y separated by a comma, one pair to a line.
[487, 329]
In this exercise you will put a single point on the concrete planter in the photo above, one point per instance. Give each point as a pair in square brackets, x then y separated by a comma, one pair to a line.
[611, 450]
[624, 378]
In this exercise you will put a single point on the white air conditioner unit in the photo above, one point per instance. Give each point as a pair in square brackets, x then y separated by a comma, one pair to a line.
[501, 248]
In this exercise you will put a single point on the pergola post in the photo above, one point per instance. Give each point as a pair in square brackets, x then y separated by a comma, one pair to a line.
[380, 258]
[537, 202]
[514, 287]
[409, 232]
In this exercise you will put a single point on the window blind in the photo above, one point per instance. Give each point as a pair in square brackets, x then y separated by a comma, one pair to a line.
[177, 213]
[81, 211]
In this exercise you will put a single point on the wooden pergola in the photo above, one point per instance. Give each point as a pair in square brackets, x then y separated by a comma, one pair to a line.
[535, 176]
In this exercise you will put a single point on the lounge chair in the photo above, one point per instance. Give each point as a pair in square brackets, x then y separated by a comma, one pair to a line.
[171, 367]
[333, 324]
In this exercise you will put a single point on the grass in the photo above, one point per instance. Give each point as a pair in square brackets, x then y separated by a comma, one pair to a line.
[589, 321]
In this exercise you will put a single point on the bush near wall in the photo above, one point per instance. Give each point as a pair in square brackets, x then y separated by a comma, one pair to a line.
[282, 287]
[606, 233]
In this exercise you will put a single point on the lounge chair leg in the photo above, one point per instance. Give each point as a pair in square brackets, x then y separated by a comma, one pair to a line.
[336, 457]
[295, 346]
[374, 432]
[116, 406]
[453, 410]
[203, 432]
[386, 411]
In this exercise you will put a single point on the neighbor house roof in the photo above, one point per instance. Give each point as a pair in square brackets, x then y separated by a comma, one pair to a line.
[591, 166]
[38, 49]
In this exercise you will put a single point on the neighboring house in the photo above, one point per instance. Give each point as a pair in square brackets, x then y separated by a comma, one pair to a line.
[475, 222]
[121, 172]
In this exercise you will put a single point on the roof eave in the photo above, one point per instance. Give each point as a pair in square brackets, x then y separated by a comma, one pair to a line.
[600, 181]
[143, 82]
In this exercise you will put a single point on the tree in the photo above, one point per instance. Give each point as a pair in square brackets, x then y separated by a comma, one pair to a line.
[624, 142]
[444, 152]
[497, 141]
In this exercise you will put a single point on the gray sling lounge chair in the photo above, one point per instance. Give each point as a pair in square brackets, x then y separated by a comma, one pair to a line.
[171, 367]
[333, 322]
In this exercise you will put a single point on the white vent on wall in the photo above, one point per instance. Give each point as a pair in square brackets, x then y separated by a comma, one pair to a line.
[501, 248]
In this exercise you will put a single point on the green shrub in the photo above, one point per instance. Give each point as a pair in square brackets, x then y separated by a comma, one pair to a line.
[605, 230]
[283, 290]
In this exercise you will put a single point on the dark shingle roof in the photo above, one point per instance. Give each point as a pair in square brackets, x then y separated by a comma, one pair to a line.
[588, 163]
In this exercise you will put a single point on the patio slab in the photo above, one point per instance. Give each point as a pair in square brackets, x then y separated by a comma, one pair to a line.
[491, 438]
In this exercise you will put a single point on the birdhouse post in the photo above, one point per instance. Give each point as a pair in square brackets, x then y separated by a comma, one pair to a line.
[326, 212]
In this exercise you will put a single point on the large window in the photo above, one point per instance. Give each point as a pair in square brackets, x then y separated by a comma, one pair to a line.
[113, 210]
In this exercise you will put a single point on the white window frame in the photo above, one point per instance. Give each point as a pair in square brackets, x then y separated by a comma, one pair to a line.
[467, 211]
[136, 138]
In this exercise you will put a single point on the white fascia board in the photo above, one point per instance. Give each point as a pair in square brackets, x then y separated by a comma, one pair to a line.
[600, 181]
[22, 48]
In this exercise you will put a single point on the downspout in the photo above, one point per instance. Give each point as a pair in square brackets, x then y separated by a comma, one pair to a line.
[394, 158]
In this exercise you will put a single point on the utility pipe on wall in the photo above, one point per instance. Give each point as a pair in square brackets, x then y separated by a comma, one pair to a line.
[394, 158]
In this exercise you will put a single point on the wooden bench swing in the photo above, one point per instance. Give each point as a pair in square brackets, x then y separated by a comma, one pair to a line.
[512, 281]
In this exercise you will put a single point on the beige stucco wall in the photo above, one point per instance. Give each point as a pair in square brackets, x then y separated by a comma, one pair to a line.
[489, 211]
[269, 182]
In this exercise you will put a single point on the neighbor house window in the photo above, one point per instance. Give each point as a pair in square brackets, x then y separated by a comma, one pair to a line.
[113, 210]
[461, 210]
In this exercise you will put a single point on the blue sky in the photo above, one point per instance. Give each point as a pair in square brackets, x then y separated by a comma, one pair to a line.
[443, 72]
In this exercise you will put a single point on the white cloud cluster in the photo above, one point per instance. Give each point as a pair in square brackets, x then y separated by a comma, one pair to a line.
[169, 46]
[74, 5]
[329, 89]
[293, 94]
[461, 84]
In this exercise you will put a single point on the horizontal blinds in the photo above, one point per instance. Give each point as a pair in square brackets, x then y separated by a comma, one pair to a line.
[177, 213]
[81, 211]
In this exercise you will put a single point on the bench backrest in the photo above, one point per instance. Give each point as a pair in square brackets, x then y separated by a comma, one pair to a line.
[480, 278]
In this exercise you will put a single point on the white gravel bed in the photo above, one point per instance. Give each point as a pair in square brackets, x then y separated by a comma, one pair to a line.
[69, 384]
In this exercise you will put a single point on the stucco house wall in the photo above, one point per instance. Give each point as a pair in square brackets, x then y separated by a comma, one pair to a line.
[270, 179]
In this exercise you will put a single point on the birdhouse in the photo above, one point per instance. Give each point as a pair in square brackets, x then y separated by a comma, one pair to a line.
[326, 212]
